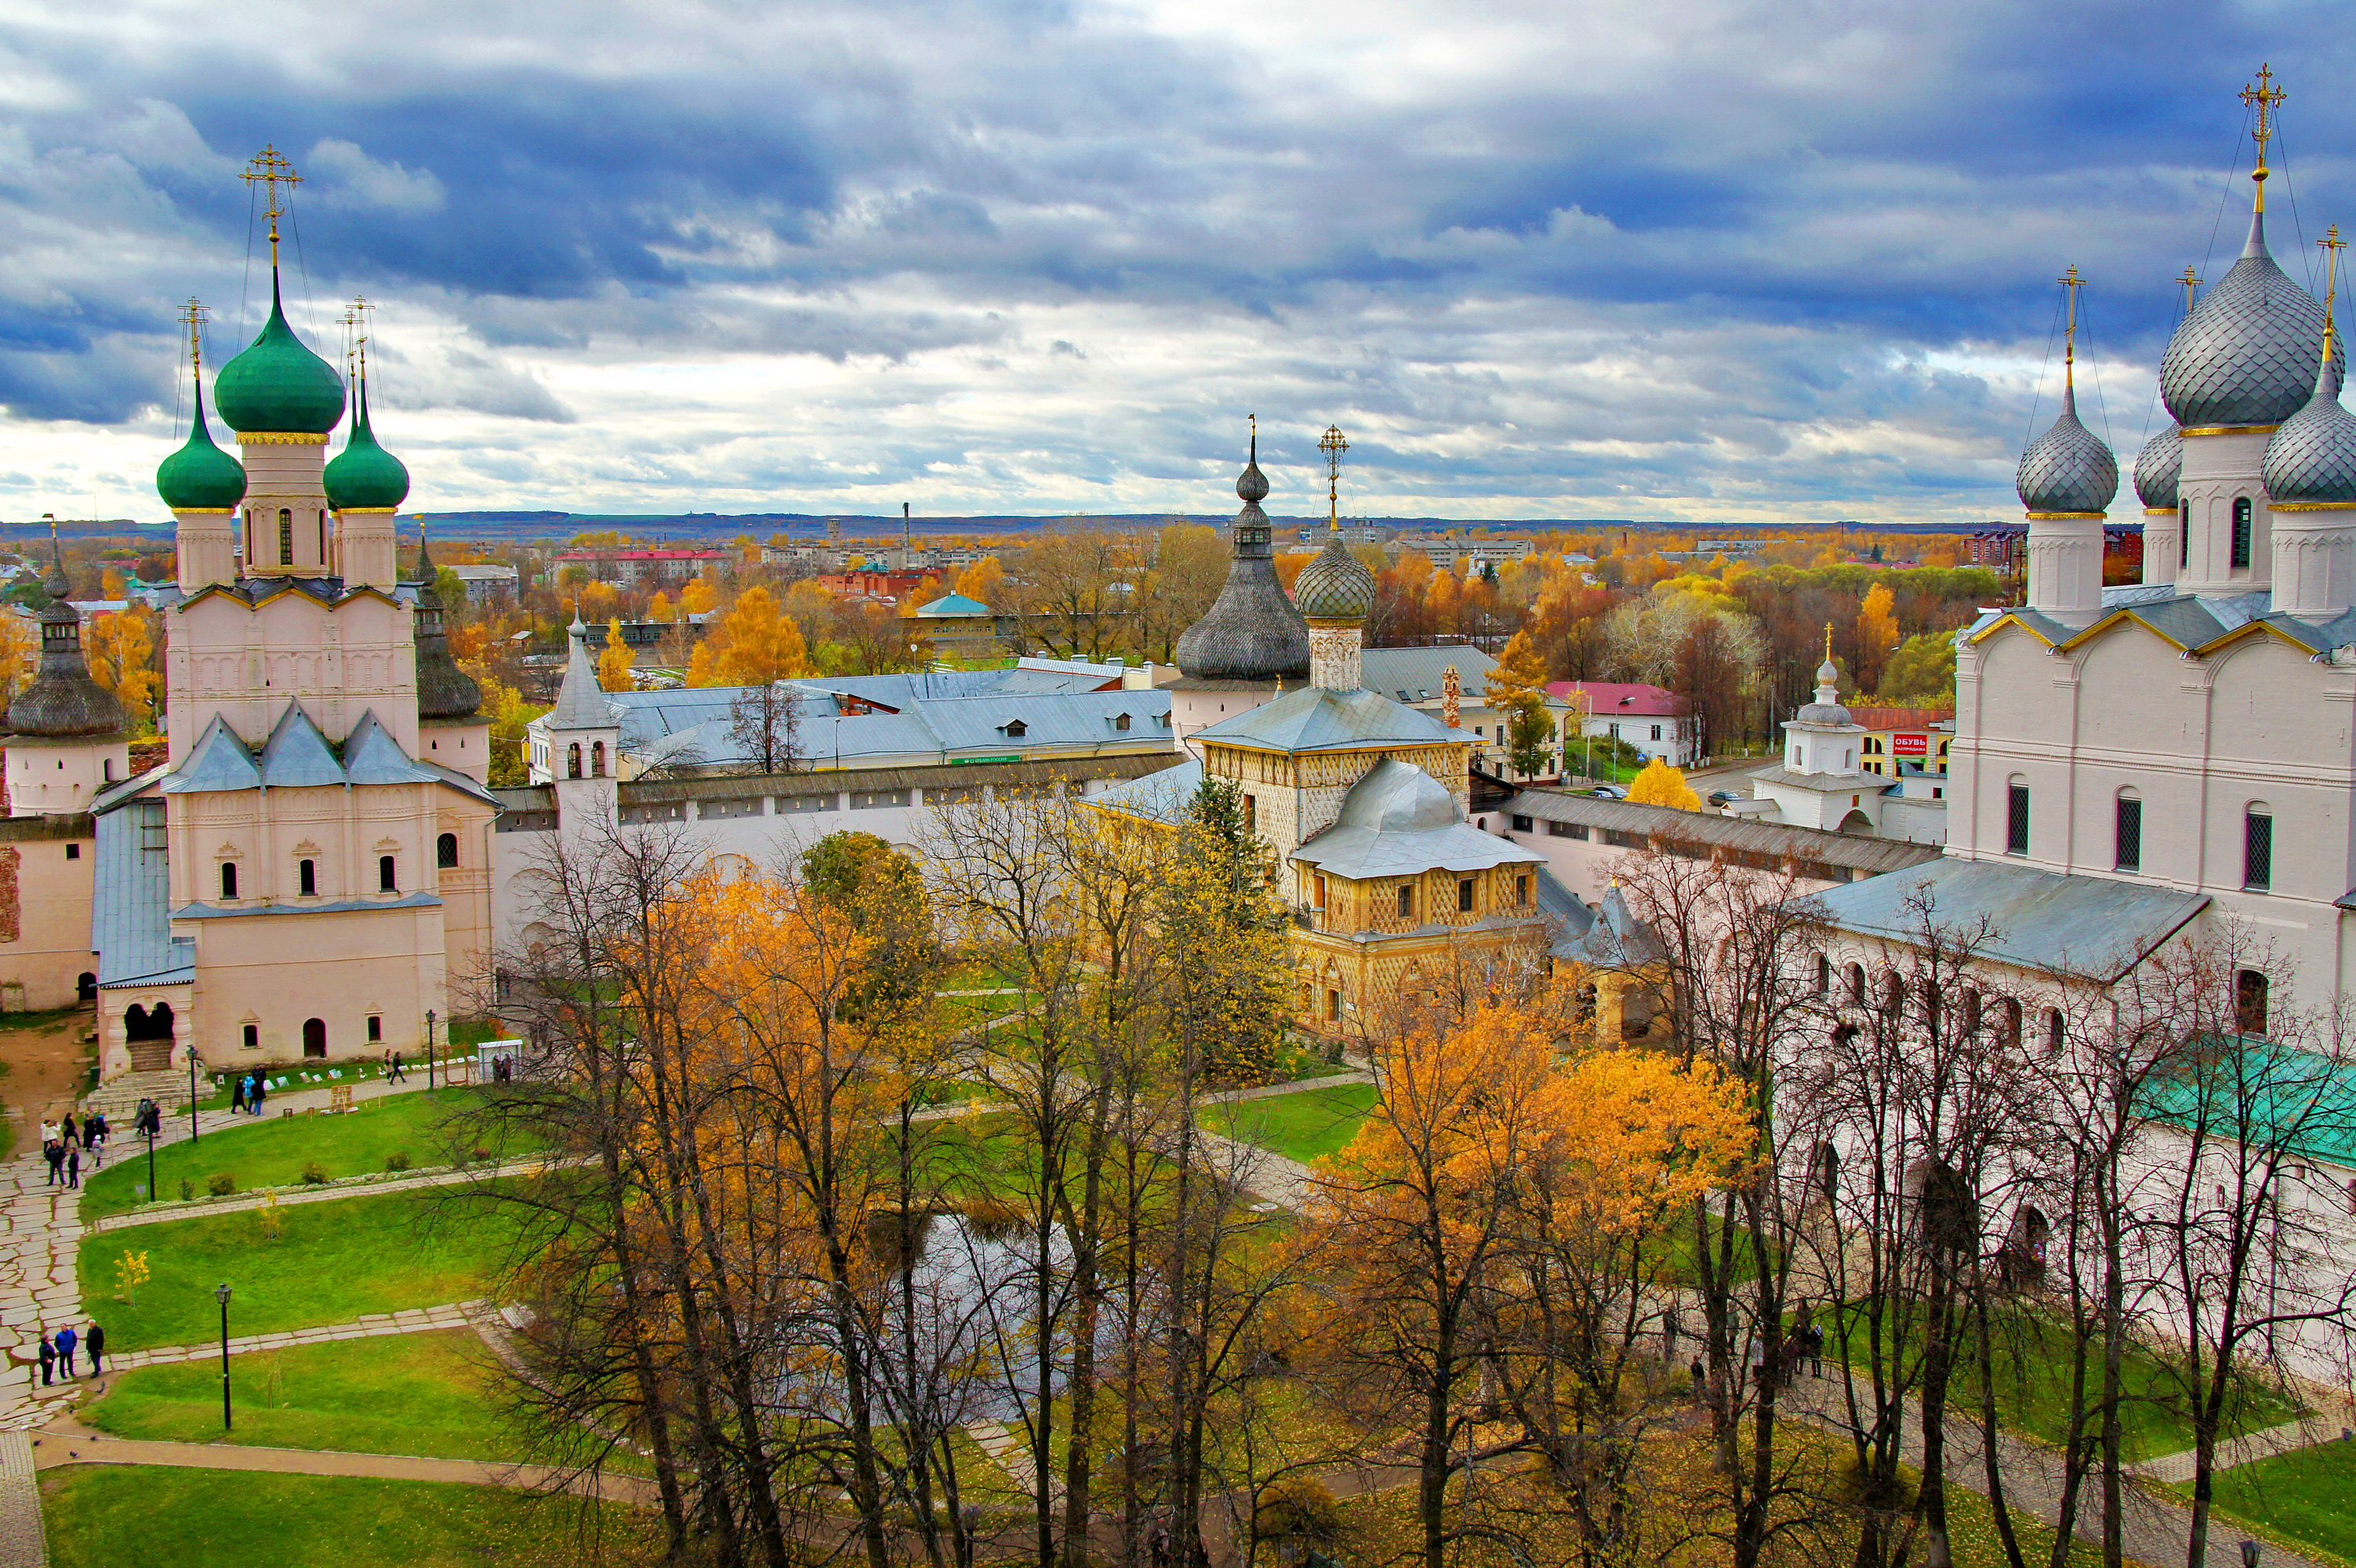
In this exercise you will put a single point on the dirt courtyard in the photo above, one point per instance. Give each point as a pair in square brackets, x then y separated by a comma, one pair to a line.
[44, 1065]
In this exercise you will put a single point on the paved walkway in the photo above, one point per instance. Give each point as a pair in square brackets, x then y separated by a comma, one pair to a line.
[452, 1175]
[2176, 1469]
[416, 1320]
[70, 1444]
[23, 1543]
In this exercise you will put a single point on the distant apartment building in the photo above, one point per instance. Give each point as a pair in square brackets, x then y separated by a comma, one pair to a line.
[1651, 719]
[1733, 549]
[1466, 555]
[486, 584]
[637, 567]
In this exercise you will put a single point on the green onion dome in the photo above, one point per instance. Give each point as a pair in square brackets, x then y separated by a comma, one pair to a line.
[278, 386]
[364, 477]
[200, 477]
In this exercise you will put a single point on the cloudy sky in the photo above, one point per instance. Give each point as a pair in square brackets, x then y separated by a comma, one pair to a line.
[1572, 258]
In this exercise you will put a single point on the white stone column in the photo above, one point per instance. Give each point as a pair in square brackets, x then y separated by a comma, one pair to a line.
[2162, 543]
[2065, 562]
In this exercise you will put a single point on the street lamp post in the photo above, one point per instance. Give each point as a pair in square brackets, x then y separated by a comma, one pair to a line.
[149, 1128]
[429, 1050]
[192, 1091]
[221, 1294]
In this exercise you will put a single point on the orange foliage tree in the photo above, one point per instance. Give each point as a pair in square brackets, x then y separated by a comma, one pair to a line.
[753, 644]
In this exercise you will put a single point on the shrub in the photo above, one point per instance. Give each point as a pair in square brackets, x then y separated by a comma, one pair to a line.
[220, 1184]
[187, 1189]
[1298, 1509]
[314, 1173]
[397, 1161]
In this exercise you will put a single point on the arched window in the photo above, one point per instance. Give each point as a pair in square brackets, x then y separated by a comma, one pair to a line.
[387, 878]
[1824, 975]
[285, 537]
[572, 761]
[2016, 817]
[2250, 1001]
[306, 878]
[2183, 535]
[445, 850]
[1972, 1006]
[1857, 984]
[2127, 832]
[597, 759]
[229, 882]
[2056, 1031]
[253, 1036]
[314, 1037]
[2257, 847]
[2242, 529]
[1824, 1173]
[1893, 993]
[2007, 1017]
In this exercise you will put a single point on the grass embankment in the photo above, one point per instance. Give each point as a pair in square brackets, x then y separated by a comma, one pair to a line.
[2305, 1500]
[1306, 1126]
[271, 1150]
[423, 1394]
[101, 1515]
[331, 1262]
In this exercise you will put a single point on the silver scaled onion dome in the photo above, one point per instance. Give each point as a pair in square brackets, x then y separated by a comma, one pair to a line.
[1251, 632]
[2311, 459]
[1336, 585]
[2158, 467]
[2068, 472]
[2246, 353]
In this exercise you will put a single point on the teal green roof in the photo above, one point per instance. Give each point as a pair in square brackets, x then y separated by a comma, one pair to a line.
[278, 385]
[364, 475]
[955, 604]
[2264, 1091]
[200, 477]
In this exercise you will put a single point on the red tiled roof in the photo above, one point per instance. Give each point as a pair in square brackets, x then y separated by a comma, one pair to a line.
[1629, 697]
[1902, 718]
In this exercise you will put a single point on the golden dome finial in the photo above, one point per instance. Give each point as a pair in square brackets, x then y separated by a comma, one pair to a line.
[193, 315]
[2264, 97]
[2332, 245]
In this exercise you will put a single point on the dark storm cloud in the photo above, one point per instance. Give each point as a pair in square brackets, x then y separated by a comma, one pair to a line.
[1738, 252]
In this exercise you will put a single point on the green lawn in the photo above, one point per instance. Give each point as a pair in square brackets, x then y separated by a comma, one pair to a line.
[271, 1151]
[103, 1516]
[425, 1394]
[2306, 1498]
[2033, 1393]
[331, 1263]
[1306, 1126]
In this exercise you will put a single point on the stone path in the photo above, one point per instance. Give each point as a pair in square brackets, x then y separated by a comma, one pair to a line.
[1298, 1086]
[1006, 1447]
[2176, 1469]
[371, 1187]
[23, 1543]
[416, 1320]
[69, 1445]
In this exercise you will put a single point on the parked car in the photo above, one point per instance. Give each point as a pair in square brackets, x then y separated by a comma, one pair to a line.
[1609, 792]
[1722, 796]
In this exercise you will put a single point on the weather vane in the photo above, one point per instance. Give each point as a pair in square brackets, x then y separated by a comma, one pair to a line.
[270, 167]
[2265, 97]
[1333, 445]
[2072, 280]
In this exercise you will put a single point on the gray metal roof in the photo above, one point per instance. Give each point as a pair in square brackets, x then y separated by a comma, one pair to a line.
[1252, 630]
[1566, 911]
[1398, 820]
[580, 704]
[220, 761]
[1615, 937]
[131, 921]
[1421, 671]
[1828, 783]
[297, 756]
[827, 781]
[694, 727]
[340, 906]
[373, 756]
[2095, 926]
[1315, 719]
[1769, 840]
[1161, 797]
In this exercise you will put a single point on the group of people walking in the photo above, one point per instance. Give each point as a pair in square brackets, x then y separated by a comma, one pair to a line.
[63, 1144]
[247, 1093]
[57, 1350]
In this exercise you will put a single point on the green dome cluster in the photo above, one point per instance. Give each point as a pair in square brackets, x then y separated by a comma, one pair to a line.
[364, 477]
[277, 385]
[200, 477]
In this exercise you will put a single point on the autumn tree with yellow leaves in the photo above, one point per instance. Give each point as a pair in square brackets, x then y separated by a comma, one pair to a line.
[754, 643]
[1516, 687]
[613, 660]
[1661, 784]
[121, 652]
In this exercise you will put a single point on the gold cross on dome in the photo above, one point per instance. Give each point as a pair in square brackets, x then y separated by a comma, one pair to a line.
[269, 168]
[192, 315]
[2265, 97]
[2072, 279]
[2191, 282]
[2332, 245]
[1333, 444]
